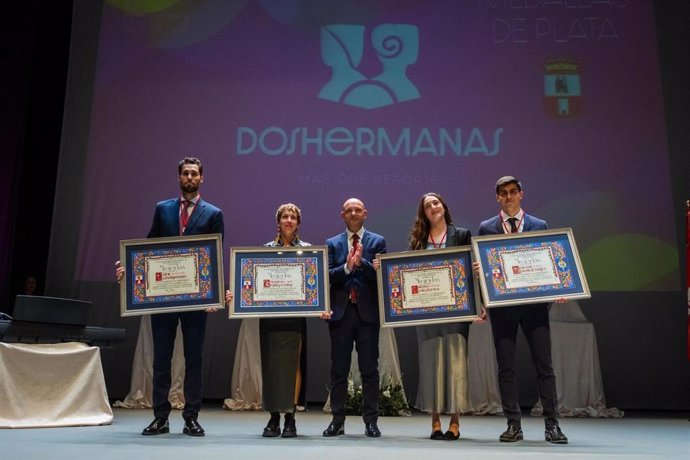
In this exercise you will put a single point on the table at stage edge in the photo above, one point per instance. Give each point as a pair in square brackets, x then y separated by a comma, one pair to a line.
[51, 385]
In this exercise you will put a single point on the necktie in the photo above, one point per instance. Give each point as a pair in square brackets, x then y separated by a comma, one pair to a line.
[355, 241]
[184, 215]
[353, 291]
[513, 227]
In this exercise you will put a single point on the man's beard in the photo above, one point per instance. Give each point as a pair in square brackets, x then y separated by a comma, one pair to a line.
[189, 188]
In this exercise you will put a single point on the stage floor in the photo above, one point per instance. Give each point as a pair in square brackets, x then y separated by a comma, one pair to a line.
[237, 435]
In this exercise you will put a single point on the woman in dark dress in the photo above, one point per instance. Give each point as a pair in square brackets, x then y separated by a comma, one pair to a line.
[283, 344]
[443, 377]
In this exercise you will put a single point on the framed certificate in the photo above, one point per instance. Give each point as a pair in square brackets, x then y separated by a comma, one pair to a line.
[179, 273]
[426, 287]
[530, 267]
[279, 281]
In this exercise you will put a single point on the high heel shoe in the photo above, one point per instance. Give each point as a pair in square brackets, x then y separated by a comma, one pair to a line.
[452, 435]
[437, 435]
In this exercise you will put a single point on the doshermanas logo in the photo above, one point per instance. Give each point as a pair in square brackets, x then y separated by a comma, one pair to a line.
[342, 48]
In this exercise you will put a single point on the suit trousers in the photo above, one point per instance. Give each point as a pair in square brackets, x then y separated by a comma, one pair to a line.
[164, 329]
[534, 320]
[348, 330]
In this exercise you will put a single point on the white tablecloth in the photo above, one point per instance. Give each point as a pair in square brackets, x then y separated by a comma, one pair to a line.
[245, 387]
[50, 385]
[485, 399]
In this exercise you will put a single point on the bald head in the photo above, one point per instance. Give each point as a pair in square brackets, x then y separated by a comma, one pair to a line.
[354, 213]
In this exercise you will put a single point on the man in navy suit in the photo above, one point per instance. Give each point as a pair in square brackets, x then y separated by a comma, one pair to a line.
[354, 316]
[534, 320]
[185, 215]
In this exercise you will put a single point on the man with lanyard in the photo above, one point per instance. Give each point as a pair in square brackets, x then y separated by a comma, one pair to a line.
[534, 320]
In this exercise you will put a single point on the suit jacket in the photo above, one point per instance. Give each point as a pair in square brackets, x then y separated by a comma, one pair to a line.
[458, 236]
[205, 219]
[363, 279]
[494, 225]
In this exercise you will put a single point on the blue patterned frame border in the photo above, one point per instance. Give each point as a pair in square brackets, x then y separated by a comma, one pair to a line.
[209, 252]
[314, 260]
[389, 276]
[567, 267]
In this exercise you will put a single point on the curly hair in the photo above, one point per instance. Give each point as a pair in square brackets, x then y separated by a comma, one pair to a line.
[190, 161]
[282, 209]
[419, 234]
[288, 207]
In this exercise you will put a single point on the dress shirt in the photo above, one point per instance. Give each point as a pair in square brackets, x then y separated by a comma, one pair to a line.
[520, 222]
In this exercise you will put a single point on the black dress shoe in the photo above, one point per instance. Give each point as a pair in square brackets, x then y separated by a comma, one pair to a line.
[436, 435]
[334, 429]
[450, 436]
[273, 426]
[192, 428]
[158, 426]
[289, 429]
[554, 435]
[512, 434]
[372, 430]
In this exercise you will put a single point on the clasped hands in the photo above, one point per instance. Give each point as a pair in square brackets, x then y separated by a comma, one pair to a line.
[354, 258]
[354, 261]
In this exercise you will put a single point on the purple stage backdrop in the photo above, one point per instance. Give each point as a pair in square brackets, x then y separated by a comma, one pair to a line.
[313, 102]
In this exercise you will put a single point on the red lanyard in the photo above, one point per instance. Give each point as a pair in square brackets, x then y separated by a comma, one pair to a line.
[517, 226]
[443, 240]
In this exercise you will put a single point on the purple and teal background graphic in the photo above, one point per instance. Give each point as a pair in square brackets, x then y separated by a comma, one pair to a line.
[238, 84]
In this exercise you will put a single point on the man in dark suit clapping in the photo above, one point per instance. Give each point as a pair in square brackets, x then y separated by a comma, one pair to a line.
[354, 316]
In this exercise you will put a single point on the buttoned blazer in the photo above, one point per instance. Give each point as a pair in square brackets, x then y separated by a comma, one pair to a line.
[494, 225]
[363, 278]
